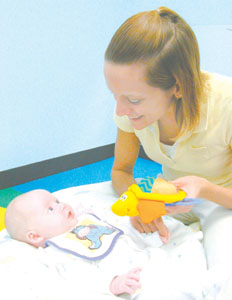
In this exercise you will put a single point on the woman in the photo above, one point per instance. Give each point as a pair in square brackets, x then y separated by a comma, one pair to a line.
[181, 116]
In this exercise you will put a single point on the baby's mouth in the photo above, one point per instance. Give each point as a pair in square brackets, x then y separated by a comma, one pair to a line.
[72, 216]
[69, 213]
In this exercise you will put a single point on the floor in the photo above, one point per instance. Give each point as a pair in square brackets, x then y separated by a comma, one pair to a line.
[92, 173]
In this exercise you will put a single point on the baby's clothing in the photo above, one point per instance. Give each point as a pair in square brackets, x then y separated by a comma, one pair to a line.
[183, 256]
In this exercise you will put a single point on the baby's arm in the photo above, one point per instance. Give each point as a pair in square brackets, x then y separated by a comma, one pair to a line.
[126, 283]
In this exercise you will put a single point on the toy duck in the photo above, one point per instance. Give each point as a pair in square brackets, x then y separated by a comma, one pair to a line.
[2, 216]
[148, 206]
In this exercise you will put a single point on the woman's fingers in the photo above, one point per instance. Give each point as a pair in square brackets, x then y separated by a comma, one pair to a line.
[142, 227]
[163, 230]
[155, 225]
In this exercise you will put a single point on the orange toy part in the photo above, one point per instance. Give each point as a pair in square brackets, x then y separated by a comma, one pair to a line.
[150, 210]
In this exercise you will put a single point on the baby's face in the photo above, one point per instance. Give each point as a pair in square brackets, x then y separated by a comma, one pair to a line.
[51, 217]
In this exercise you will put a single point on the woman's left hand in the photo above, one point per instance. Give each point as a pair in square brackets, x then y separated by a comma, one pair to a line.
[193, 186]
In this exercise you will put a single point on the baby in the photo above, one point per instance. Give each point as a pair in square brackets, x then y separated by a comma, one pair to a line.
[37, 216]
[168, 270]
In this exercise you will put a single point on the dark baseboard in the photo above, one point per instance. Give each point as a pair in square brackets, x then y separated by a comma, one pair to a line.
[53, 166]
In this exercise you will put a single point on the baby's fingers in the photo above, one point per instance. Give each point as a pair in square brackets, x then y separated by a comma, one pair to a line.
[135, 272]
[132, 286]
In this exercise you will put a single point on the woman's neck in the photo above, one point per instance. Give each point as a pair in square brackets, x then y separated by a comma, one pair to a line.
[168, 127]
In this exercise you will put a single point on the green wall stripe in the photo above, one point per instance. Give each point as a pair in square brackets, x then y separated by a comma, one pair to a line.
[7, 195]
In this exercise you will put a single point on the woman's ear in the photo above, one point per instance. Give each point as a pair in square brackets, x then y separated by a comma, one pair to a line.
[177, 91]
[34, 238]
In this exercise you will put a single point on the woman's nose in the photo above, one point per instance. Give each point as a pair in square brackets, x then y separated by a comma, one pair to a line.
[122, 107]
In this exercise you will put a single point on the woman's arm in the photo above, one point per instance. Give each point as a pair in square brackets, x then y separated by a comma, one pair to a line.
[126, 153]
[198, 187]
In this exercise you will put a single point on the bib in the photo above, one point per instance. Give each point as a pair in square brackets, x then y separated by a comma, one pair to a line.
[91, 239]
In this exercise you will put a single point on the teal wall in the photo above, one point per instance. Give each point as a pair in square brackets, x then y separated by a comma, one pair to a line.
[53, 96]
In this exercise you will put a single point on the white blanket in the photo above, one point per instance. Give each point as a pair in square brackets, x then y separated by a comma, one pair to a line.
[174, 271]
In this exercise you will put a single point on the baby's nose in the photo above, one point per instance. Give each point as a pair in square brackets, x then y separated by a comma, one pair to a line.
[61, 206]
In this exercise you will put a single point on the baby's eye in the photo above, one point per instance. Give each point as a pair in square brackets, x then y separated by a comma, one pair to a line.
[57, 201]
[50, 209]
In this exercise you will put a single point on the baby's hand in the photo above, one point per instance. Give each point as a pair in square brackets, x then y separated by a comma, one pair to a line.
[126, 283]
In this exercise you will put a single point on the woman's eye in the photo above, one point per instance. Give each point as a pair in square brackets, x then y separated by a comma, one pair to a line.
[50, 209]
[57, 201]
[134, 101]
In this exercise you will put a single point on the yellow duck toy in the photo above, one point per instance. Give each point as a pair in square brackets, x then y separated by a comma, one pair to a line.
[148, 206]
[2, 217]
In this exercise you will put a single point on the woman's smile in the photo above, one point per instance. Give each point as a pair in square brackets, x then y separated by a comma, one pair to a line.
[142, 103]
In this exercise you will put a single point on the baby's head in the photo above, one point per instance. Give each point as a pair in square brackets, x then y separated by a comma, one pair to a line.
[36, 216]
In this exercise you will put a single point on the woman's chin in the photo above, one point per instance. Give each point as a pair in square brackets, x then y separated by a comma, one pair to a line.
[138, 125]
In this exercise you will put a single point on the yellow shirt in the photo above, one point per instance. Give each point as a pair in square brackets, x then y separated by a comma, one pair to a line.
[206, 150]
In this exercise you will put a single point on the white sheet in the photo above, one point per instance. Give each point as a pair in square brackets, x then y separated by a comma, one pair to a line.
[175, 271]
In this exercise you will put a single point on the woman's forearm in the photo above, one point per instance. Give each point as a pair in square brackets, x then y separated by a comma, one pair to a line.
[121, 180]
[217, 194]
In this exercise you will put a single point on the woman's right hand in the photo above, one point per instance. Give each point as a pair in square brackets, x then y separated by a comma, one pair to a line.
[155, 225]
[126, 152]
[178, 209]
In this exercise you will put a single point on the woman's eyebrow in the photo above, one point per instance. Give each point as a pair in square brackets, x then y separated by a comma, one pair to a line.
[135, 96]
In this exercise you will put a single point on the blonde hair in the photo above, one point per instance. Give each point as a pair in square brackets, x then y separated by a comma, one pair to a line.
[166, 44]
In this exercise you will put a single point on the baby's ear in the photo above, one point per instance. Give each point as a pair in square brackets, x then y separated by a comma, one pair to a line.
[34, 238]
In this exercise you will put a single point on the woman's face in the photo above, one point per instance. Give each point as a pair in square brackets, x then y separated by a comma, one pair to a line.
[140, 102]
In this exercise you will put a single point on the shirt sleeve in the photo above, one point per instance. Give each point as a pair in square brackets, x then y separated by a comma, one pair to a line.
[123, 123]
[227, 123]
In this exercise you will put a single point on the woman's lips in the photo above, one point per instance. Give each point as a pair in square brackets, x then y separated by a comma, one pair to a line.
[135, 118]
